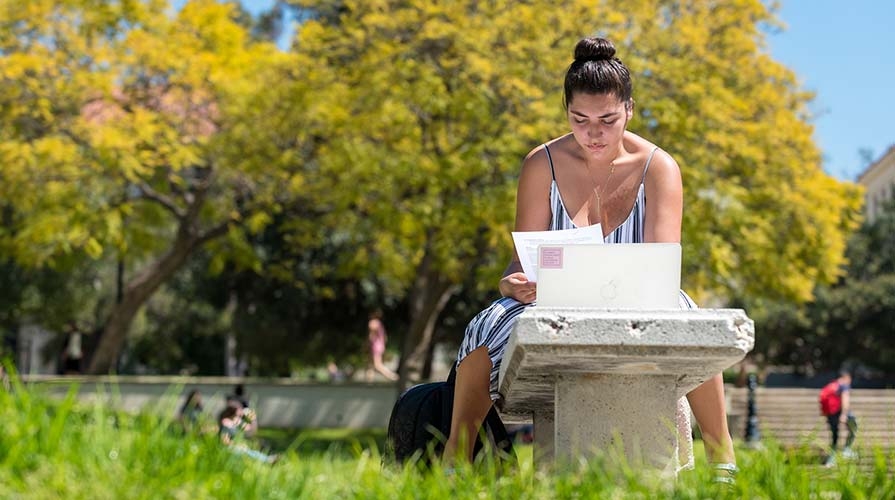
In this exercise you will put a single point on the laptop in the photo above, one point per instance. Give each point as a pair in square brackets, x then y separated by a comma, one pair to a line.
[610, 276]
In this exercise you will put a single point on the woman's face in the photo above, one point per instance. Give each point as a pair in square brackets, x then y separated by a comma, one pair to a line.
[598, 122]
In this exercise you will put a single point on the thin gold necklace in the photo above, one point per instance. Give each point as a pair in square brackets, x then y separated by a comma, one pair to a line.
[599, 194]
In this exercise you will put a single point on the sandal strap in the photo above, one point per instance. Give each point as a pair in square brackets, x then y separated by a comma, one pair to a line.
[729, 468]
[725, 473]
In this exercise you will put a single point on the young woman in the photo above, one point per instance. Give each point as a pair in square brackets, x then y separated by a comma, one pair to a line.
[376, 339]
[598, 174]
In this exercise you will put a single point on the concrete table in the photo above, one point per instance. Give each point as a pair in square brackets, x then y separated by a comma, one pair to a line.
[588, 376]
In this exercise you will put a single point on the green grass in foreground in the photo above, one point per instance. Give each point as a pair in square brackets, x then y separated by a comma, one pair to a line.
[52, 449]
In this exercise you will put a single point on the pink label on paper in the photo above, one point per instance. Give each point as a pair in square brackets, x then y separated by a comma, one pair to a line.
[551, 258]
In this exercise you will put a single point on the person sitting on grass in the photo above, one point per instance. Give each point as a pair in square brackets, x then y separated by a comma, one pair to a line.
[190, 414]
[232, 423]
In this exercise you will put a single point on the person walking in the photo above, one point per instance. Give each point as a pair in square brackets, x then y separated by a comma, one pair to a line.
[376, 339]
[835, 405]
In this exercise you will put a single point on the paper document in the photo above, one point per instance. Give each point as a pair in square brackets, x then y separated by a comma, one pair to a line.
[527, 243]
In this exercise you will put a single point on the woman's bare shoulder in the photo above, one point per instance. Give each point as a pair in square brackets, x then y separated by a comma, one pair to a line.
[636, 144]
[663, 162]
[642, 148]
[663, 170]
[536, 162]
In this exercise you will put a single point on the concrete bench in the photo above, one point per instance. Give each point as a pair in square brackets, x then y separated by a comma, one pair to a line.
[588, 376]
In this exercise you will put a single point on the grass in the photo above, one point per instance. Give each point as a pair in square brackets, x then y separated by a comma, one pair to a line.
[51, 448]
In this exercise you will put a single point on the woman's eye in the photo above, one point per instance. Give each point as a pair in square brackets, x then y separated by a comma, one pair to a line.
[580, 122]
[609, 122]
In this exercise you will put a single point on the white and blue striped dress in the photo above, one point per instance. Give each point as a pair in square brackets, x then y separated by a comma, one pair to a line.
[492, 326]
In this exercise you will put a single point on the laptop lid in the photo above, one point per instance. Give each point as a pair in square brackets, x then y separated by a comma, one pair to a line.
[610, 276]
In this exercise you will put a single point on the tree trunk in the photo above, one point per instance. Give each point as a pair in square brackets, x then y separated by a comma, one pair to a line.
[231, 359]
[429, 295]
[427, 364]
[136, 293]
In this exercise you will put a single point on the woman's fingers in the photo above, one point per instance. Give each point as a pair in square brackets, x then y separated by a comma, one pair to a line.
[526, 292]
[519, 287]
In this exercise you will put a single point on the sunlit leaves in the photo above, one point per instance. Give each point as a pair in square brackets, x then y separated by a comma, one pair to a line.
[105, 102]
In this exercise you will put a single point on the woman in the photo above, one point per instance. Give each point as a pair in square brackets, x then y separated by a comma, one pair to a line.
[598, 174]
[376, 338]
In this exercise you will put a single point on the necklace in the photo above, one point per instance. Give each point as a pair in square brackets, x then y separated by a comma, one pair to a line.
[599, 194]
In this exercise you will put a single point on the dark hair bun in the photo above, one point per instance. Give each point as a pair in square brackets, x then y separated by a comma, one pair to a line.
[594, 49]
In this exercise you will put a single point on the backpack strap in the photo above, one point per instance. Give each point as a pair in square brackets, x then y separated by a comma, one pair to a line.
[499, 433]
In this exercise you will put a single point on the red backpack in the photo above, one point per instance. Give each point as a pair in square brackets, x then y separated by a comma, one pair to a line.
[830, 401]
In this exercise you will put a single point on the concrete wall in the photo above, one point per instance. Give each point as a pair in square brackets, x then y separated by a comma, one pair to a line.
[278, 403]
[286, 404]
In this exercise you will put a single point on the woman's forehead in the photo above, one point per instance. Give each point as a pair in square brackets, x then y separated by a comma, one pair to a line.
[590, 104]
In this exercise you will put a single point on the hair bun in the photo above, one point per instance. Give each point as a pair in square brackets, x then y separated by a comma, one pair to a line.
[594, 49]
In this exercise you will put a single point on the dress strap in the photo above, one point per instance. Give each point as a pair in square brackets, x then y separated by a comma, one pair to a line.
[646, 167]
[550, 160]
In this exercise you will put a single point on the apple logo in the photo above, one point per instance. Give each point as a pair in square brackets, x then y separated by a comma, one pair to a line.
[609, 291]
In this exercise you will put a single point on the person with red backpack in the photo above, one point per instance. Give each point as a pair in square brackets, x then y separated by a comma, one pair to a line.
[835, 404]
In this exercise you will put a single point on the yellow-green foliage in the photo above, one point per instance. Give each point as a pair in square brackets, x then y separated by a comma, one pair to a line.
[762, 219]
[403, 124]
[435, 107]
[437, 103]
[114, 112]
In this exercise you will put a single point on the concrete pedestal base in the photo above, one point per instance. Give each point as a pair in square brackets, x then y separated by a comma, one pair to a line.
[589, 376]
[592, 411]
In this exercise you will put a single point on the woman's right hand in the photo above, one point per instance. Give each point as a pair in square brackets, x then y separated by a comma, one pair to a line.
[517, 286]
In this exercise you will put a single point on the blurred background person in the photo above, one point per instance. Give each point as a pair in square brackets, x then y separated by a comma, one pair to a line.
[234, 422]
[190, 414]
[376, 338]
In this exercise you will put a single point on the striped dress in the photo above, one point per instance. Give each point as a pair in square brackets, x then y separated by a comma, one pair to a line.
[492, 326]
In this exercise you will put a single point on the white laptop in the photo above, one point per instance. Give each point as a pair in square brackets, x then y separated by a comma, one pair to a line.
[610, 276]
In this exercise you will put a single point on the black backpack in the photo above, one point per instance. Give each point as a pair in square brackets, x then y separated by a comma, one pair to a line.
[421, 422]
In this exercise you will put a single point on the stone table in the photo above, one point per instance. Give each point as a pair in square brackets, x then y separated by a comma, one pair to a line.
[589, 376]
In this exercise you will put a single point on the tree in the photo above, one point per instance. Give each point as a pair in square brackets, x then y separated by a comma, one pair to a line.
[850, 320]
[439, 101]
[131, 135]
[393, 133]
[762, 219]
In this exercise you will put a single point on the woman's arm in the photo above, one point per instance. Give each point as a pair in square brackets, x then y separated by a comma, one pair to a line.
[532, 214]
[846, 405]
[664, 200]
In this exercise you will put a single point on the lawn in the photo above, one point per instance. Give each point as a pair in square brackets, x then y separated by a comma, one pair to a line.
[51, 449]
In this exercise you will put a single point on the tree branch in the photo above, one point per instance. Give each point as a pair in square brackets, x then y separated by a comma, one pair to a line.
[161, 199]
[215, 232]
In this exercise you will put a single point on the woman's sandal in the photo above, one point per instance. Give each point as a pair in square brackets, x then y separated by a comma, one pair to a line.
[725, 473]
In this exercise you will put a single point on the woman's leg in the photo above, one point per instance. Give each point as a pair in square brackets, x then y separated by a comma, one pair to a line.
[472, 401]
[707, 403]
[380, 367]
